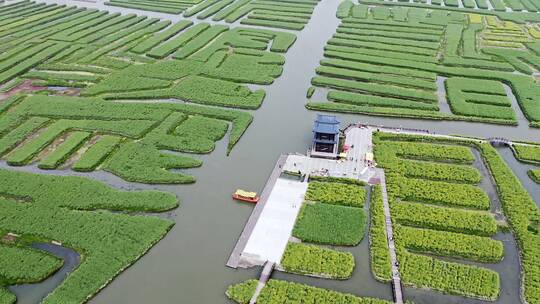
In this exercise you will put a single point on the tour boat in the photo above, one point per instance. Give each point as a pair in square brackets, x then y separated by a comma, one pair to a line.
[245, 196]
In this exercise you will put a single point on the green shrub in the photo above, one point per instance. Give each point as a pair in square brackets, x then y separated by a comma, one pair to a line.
[333, 179]
[96, 154]
[440, 193]
[108, 242]
[448, 219]
[158, 38]
[427, 272]
[450, 244]
[534, 175]
[378, 239]
[527, 153]
[336, 193]
[316, 261]
[281, 292]
[25, 265]
[62, 152]
[330, 224]
[482, 102]
[243, 292]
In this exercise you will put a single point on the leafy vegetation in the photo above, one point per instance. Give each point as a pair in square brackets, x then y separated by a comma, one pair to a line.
[25, 265]
[316, 261]
[108, 242]
[378, 239]
[330, 224]
[523, 216]
[527, 153]
[443, 243]
[425, 228]
[336, 194]
[280, 292]
[385, 59]
[132, 135]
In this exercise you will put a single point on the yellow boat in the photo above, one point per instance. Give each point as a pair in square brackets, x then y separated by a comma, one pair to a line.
[245, 196]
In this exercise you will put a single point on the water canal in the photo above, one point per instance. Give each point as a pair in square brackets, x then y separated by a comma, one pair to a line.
[188, 265]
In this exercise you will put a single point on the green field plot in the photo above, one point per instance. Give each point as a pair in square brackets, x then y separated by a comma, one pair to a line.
[123, 138]
[113, 57]
[474, 5]
[25, 265]
[378, 239]
[50, 208]
[280, 292]
[481, 98]
[534, 174]
[287, 14]
[336, 193]
[386, 60]
[330, 224]
[162, 6]
[529, 154]
[135, 57]
[438, 213]
[317, 261]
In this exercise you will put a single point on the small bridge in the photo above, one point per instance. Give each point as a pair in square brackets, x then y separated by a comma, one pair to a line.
[499, 141]
[265, 276]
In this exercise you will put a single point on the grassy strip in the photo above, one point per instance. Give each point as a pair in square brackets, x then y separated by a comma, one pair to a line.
[333, 179]
[20, 265]
[316, 261]
[18, 134]
[336, 194]
[378, 239]
[439, 193]
[451, 244]
[453, 278]
[158, 38]
[330, 224]
[523, 216]
[173, 44]
[96, 154]
[108, 242]
[447, 219]
[534, 175]
[527, 153]
[281, 292]
[64, 150]
[274, 24]
[60, 191]
[480, 102]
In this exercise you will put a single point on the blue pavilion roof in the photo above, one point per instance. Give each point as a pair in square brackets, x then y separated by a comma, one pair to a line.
[326, 124]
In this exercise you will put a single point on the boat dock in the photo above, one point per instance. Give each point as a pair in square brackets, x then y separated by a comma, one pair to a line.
[269, 227]
[235, 257]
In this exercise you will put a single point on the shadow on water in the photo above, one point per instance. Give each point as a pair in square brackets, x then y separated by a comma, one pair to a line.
[34, 293]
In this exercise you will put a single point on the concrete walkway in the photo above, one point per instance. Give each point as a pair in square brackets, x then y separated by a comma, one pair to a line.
[234, 259]
[396, 279]
[265, 276]
[272, 231]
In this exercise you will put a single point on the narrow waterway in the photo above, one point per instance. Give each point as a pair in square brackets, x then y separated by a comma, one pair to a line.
[34, 293]
[520, 170]
[188, 265]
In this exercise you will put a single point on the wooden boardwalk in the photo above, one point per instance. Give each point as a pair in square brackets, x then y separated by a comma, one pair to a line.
[235, 257]
[396, 279]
